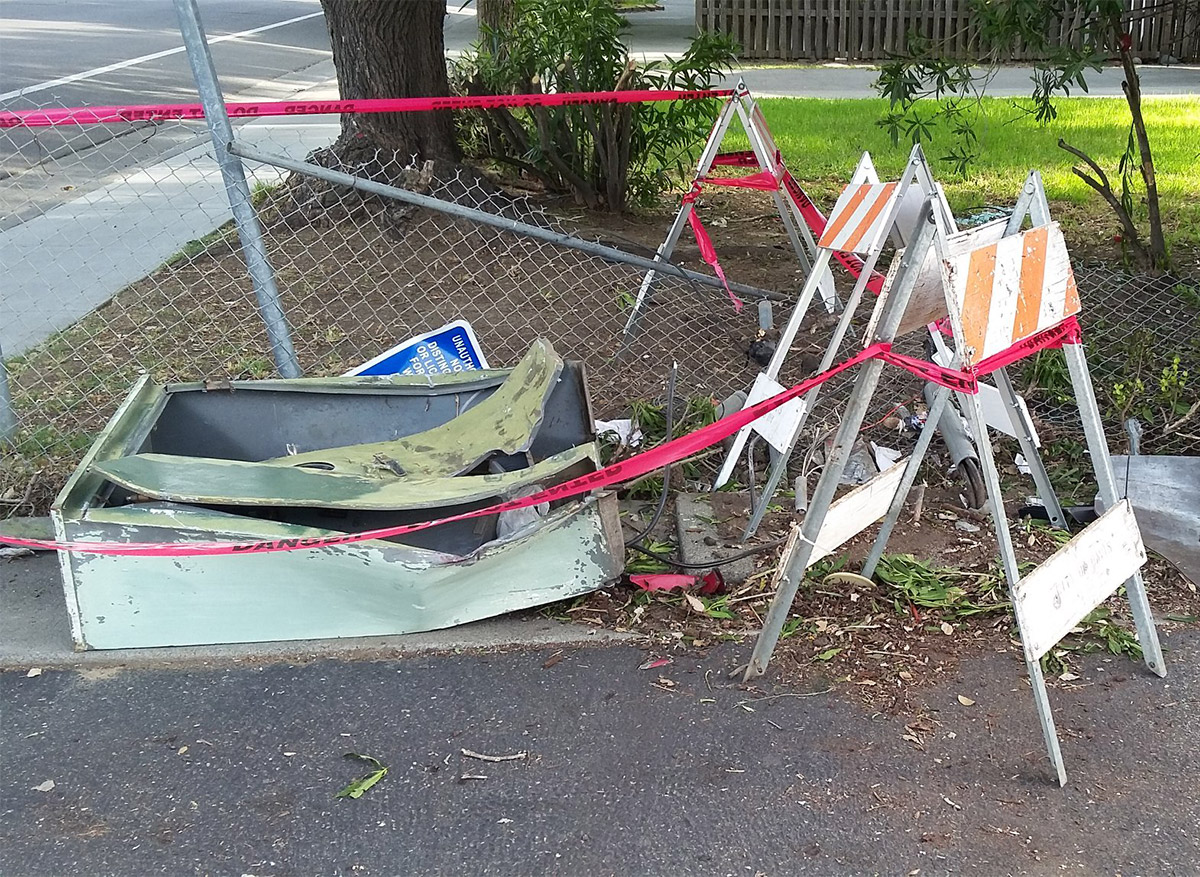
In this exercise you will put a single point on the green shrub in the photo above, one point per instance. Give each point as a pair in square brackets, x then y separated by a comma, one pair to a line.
[608, 156]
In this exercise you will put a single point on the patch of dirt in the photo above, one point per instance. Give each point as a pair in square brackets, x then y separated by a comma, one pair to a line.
[879, 641]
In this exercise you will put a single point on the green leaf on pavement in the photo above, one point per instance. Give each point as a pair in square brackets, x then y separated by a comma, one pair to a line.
[357, 788]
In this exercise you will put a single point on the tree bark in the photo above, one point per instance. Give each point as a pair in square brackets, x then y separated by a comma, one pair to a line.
[392, 48]
[496, 17]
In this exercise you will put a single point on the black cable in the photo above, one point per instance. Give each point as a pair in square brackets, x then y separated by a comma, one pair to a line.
[679, 564]
[662, 496]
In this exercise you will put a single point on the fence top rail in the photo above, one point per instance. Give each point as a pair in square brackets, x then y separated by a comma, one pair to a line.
[152, 112]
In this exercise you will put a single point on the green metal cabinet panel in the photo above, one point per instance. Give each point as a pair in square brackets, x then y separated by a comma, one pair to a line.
[437, 578]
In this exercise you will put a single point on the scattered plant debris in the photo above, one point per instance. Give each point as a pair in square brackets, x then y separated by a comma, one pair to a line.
[360, 786]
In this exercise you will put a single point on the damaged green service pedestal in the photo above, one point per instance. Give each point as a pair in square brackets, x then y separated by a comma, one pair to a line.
[434, 578]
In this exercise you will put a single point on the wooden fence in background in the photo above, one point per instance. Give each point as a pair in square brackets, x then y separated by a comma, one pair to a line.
[870, 30]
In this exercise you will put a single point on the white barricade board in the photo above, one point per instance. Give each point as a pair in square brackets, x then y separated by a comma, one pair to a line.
[853, 513]
[928, 301]
[1077, 578]
[779, 426]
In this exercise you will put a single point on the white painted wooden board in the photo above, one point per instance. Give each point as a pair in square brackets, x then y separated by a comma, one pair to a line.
[928, 301]
[779, 426]
[857, 510]
[1077, 578]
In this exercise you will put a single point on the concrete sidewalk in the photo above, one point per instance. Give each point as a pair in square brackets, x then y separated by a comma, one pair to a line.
[75, 256]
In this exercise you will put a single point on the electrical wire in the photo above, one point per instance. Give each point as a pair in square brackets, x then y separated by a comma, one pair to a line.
[679, 564]
[632, 541]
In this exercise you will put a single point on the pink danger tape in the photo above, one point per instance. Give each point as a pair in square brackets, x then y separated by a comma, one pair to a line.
[154, 112]
[617, 473]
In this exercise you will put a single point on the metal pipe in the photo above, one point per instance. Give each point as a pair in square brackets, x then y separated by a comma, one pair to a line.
[8, 412]
[236, 189]
[610, 254]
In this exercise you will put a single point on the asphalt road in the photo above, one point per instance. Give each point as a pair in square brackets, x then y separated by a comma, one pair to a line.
[233, 770]
[42, 41]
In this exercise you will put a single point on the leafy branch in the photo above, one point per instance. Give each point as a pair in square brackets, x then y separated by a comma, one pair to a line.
[927, 93]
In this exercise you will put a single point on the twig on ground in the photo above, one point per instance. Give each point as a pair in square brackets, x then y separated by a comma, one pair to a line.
[918, 503]
[788, 694]
[516, 756]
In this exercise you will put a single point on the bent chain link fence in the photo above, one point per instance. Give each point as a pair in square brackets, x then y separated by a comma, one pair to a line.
[119, 258]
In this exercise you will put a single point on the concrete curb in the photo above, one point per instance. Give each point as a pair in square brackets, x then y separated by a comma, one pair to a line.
[34, 633]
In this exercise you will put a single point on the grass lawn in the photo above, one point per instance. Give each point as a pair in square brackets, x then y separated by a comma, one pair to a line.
[822, 139]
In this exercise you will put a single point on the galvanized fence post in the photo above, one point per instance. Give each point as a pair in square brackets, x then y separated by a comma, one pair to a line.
[8, 413]
[236, 189]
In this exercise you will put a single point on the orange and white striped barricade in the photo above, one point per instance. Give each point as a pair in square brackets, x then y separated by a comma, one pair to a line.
[868, 214]
[1004, 300]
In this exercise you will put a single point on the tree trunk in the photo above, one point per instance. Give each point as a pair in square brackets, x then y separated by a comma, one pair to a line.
[392, 48]
[496, 18]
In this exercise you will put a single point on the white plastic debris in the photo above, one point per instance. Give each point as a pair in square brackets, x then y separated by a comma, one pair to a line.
[623, 429]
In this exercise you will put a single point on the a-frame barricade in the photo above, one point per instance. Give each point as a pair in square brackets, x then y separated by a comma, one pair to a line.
[801, 218]
[866, 216]
[1004, 300]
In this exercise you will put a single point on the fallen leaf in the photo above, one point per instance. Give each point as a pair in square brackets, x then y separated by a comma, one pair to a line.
[363, 783]
[665, 682]
[33, 671]
[1068, 677]
[906, 676]
[552, 660]
[826, 655]
[695, 602]
[947, 628]
[44, 787]
[965, 701]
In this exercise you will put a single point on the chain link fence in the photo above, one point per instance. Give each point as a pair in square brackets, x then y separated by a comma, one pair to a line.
[120, 259]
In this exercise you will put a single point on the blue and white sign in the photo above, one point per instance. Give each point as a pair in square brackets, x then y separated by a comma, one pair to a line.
[452, 348]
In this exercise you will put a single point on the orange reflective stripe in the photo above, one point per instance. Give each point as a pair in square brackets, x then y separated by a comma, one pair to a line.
[863, 227]
[838, 222]
[1033, 275]
[977, 299]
